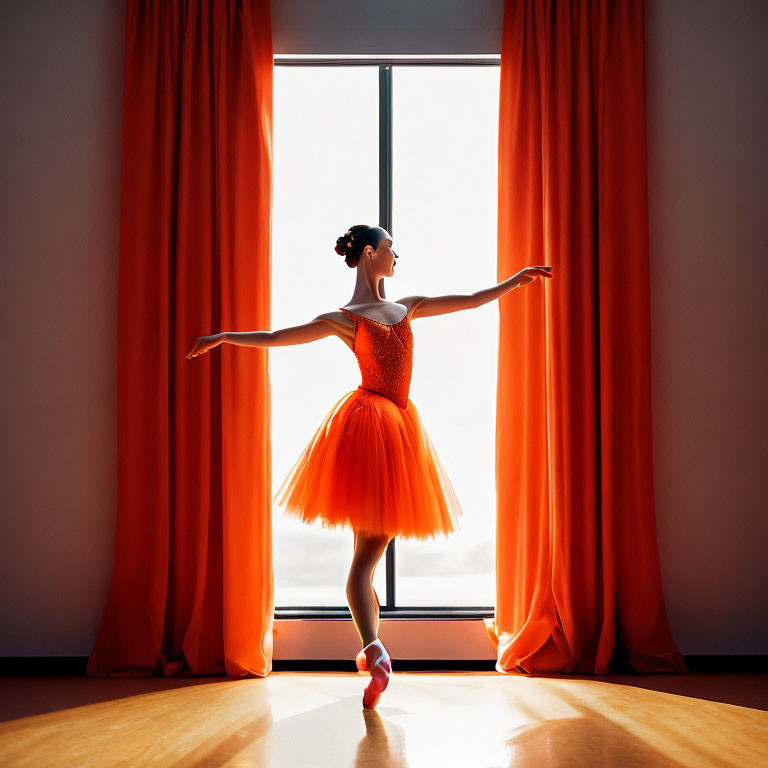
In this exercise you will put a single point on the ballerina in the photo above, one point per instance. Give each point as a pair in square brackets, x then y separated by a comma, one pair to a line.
[371, 466]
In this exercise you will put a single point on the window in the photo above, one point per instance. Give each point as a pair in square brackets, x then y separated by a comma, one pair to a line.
[442, 184]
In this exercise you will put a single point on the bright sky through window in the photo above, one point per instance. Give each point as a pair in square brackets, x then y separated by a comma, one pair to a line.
[445, 123]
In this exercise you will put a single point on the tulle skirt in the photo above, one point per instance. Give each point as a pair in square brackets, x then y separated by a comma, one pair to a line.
[371, 466]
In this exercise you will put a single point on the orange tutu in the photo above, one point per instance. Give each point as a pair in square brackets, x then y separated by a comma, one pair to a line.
[371, 466]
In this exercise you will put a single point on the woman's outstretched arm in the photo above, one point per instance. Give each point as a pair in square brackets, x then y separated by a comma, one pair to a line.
[295, 334]
[440, 305]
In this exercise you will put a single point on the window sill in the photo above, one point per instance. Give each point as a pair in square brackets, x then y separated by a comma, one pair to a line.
[319, 635]
[386, 613]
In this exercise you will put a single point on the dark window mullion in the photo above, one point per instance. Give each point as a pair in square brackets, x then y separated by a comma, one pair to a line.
[385, 221]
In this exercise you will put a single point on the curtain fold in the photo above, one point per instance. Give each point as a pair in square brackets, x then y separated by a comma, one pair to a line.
[578, 577]
[192, 589]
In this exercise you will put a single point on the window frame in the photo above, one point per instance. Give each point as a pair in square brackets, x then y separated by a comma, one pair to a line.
[388, 608]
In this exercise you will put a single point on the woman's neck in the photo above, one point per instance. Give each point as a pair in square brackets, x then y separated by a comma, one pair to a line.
[367, 291]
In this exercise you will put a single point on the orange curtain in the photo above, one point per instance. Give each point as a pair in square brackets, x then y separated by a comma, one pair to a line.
[578, 579]
[192, 580]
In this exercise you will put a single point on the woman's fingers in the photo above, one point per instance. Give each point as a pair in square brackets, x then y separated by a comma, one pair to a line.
[198, 348]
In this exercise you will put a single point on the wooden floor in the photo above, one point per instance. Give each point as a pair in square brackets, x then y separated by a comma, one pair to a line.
[307, 719]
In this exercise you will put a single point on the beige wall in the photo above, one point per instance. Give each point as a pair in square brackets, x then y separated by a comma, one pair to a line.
[707, 92]
[60, 93]
[60, 101]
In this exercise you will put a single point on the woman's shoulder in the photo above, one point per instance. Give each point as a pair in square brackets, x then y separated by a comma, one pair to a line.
[335, 316]
[412, 303]
[340, 325]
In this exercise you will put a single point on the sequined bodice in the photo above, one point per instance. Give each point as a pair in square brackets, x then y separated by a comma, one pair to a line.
[385, 356]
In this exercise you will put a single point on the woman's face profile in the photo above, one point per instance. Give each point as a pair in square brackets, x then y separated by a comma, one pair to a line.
[384, 257]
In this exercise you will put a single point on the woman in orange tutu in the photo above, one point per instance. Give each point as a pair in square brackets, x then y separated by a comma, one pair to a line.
[370, 466]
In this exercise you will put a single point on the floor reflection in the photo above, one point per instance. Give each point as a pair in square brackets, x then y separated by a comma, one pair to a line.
[424, 719]
[381, 746]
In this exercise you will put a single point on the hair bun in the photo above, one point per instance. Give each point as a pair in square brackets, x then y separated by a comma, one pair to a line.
[344, 243]
[351, 242]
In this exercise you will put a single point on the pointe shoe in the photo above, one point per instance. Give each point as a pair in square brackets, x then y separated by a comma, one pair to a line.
[380, 671]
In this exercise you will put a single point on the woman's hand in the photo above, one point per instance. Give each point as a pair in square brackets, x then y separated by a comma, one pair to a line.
[529, 274]
[204, 343]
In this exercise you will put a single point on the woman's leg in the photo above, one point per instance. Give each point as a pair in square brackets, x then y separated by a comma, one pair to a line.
[363, 602]
[376, 599]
